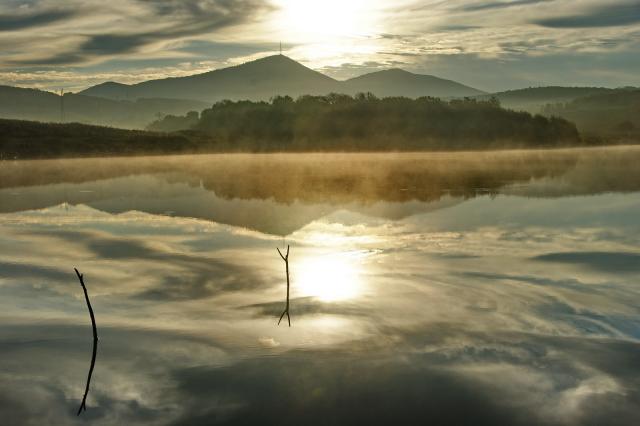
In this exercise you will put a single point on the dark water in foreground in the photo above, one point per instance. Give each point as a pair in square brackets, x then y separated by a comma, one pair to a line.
[426, 289]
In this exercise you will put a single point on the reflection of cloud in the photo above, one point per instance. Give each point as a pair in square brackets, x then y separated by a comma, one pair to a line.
[268, 342]
[306, 306]
[475, 387]
[42, 376]
[444, 375]
[12, 270]
[191, 276]
[461, 321]
[616, 262]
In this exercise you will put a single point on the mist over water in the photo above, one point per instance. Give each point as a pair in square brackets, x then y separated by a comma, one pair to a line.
[441, 288]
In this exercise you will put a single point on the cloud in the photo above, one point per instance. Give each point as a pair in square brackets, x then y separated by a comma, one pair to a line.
[501, 5]
[193, 36]
[27, 20]
[92, 33]
[610, 16]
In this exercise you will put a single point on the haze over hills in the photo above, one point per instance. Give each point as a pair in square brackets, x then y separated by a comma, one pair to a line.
[280, 75]
[532, 99]
[38, 105]
[614, 113]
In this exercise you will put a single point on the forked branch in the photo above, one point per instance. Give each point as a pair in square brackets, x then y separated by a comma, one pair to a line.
[286, 263]
[83, 405]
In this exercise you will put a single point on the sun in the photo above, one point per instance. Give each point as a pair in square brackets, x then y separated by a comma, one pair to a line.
[329, 278]
[326, 20]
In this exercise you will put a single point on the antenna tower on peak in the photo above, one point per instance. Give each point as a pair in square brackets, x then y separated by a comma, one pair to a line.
[62, 105]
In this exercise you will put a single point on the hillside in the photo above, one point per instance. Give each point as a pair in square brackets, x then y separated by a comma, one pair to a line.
[30, 104]
[615, 114]
[29, 139]
[532, 99]
[397, 82]
[281, 76]
[260, 79]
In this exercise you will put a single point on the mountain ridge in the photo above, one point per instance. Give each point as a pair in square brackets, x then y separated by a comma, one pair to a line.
[280, 75]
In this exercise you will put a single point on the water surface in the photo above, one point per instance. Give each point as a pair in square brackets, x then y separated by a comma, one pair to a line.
[466, 288]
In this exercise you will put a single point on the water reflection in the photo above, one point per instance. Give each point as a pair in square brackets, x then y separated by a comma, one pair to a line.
[330, 277]
[422, 298]
[279, 194]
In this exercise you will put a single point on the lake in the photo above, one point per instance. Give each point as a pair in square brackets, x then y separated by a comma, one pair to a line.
[446, 288]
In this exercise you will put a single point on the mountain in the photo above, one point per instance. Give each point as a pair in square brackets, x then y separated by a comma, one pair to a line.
[38, 105]
[280, 75]
[256, 80]
[532, 99]
[397, 82]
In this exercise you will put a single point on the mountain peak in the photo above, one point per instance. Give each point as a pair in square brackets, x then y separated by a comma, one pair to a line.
[273, 75]
[280, 62]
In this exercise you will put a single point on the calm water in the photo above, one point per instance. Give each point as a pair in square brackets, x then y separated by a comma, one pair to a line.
[470, 288]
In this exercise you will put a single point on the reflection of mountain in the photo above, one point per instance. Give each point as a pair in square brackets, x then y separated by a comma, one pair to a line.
[278, 194]
[156, 195]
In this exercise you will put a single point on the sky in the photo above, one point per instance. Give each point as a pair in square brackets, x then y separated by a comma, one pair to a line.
[492, 45]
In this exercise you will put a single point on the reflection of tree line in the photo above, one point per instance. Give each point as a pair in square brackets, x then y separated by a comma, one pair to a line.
[326, 178]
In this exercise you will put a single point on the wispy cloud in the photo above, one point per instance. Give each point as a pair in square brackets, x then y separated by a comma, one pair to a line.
[94, 31]
[608, 16]
[523, 42]
[500, 4]
[26, 20]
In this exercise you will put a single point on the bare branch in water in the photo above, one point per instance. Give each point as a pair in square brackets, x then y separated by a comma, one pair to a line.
[83, 405]
[286, 262]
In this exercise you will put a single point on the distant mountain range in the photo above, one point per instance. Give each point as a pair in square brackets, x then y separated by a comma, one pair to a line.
[136, 106]
[280, 75]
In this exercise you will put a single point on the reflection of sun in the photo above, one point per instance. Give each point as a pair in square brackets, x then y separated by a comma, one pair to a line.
[329, 278]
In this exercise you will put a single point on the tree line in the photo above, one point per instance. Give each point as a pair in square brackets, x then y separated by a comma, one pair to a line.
[309, 123]
[365, 122]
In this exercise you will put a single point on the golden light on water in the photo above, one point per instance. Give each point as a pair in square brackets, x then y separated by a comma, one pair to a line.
[330, 278]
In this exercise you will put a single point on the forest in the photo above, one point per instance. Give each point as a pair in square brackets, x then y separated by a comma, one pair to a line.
[337, 123]
[364, 122]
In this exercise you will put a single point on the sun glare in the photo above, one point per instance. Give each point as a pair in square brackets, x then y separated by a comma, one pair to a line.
[329, 278]
[327, 20]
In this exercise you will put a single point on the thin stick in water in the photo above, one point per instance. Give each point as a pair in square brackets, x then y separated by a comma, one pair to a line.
[286, 262]
[83, 405]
